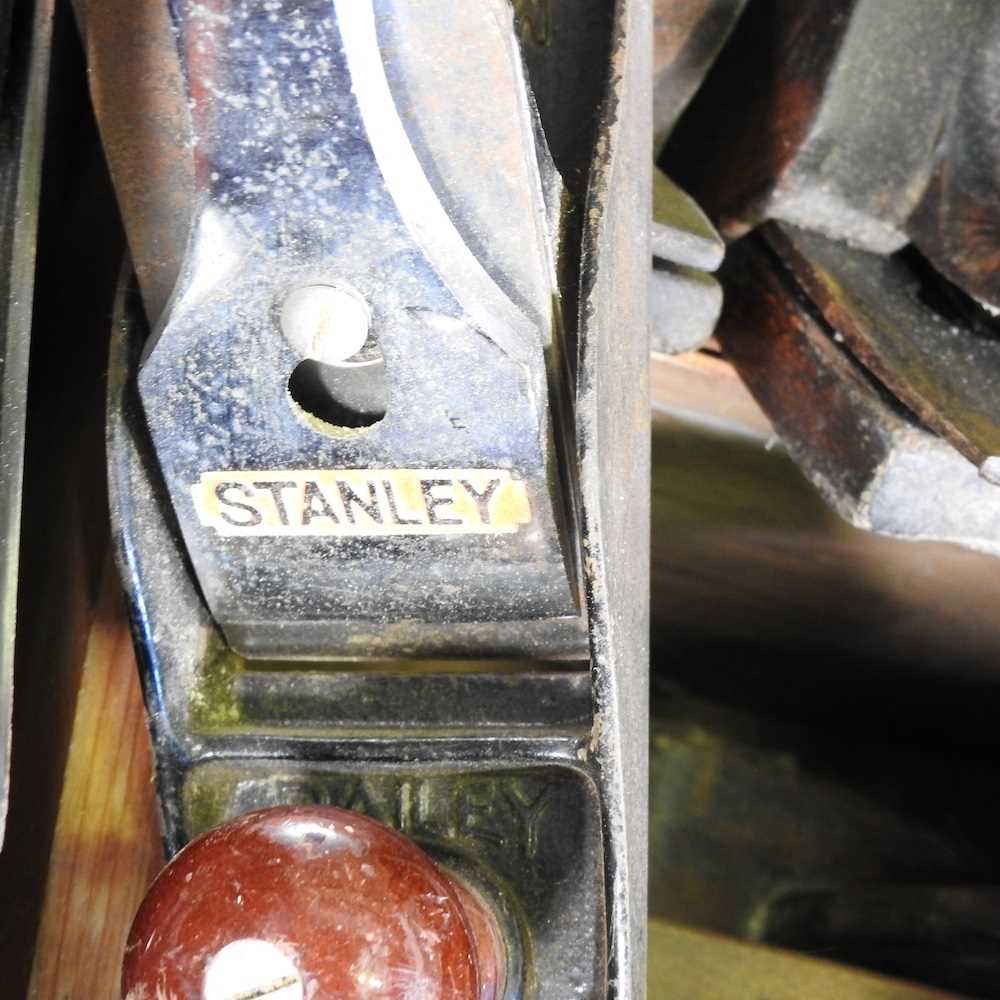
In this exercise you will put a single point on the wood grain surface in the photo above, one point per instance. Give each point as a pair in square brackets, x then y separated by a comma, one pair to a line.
[106, 848]
[686, 964]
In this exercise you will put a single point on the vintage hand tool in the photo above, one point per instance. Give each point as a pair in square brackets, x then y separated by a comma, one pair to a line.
[396, 409]
[858, 141]
[838, 128]
[863, 120]
[873, 460]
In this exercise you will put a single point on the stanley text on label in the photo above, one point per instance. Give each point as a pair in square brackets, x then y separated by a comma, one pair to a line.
[362, 502]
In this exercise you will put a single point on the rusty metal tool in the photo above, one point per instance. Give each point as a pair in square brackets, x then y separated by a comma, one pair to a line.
[861, 120]
[868, 455]
[934, 349]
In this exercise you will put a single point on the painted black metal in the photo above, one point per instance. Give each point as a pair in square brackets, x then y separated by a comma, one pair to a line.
[232, 733]
[294, 194]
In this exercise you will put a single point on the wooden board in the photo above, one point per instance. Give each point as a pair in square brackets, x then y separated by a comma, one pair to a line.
[704, 387]
[106, 848]
[685, 964]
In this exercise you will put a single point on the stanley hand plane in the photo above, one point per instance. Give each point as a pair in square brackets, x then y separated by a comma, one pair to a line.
[379, 464]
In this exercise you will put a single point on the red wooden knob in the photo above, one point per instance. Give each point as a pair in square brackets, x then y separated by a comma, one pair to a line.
[305, 903]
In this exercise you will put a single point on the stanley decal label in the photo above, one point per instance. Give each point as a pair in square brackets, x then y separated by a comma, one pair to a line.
[362, 502]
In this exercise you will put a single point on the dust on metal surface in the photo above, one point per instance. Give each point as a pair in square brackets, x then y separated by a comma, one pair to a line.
[355, 168]
[930, 348]
[864, 452]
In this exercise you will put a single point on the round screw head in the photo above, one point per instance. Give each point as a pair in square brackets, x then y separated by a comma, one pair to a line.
[250, 967]
[328, 323]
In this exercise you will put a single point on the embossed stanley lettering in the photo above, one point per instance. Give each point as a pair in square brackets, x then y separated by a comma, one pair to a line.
[499, 812]
[362, 502]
